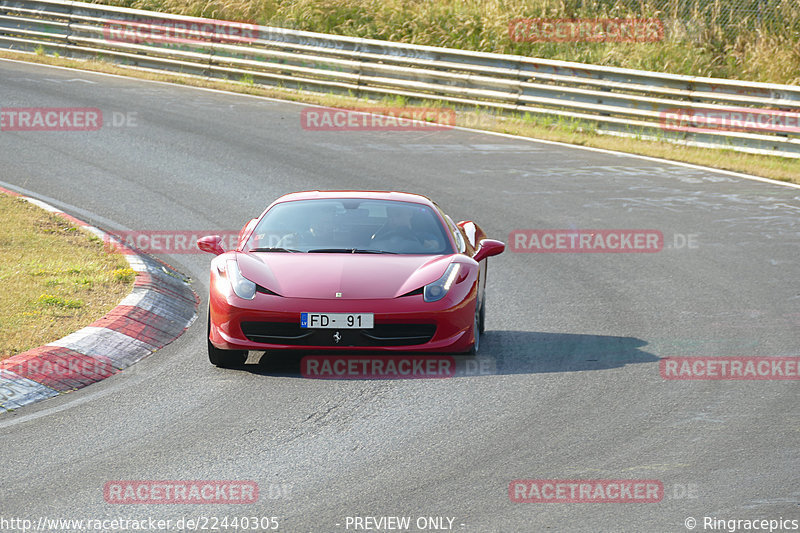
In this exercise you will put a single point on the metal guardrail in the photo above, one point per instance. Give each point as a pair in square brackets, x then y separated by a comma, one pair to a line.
[744, 116]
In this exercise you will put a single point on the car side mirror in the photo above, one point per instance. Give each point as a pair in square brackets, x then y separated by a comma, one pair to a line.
[469, 229]
[488, 248]
[211, 244]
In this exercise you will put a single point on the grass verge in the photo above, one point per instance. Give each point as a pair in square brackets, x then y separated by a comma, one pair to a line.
[56, 277]
[746, 39]
[778, 168]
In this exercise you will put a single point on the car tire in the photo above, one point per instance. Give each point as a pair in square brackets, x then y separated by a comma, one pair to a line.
[482, 317]
[224, 358]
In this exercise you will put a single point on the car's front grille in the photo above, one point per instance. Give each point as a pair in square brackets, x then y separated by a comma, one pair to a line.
[381, 335]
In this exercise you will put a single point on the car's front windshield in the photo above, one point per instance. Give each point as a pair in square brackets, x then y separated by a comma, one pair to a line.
[350, 226]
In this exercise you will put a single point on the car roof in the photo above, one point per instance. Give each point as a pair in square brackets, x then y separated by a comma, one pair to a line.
[367, 195]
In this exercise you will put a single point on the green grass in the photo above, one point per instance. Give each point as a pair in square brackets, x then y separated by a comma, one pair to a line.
[717, 38]
[49, 300]
[56, 278]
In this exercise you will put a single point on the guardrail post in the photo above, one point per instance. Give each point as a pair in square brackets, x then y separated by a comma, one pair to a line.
[67, 43]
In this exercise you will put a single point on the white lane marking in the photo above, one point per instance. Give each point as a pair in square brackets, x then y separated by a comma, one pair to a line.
[70, 81]
[496, 134]
[72, 402]
[46, 207]
[83, 214]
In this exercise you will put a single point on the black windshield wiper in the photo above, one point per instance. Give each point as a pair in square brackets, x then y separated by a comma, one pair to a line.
[289, 250]
[348, 251]
[368, 251]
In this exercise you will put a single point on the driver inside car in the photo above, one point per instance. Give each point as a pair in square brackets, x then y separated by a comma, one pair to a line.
[400, 226]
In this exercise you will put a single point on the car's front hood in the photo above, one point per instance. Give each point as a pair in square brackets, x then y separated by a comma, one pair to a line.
[355, 276]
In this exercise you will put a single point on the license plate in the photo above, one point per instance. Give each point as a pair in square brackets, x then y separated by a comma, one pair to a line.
[337, 320]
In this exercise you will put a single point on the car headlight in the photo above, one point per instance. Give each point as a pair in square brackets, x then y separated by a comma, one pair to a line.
[242, 287]
[437, 290]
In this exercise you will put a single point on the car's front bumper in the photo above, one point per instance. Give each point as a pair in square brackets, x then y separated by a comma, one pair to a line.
[402, 324]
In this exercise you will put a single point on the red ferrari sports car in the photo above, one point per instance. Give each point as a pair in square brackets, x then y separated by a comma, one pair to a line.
[348, 271]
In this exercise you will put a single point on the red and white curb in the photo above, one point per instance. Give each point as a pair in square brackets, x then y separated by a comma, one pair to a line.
[160, 307]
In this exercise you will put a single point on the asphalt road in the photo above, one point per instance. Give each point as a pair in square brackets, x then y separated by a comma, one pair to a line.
[573, 340]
